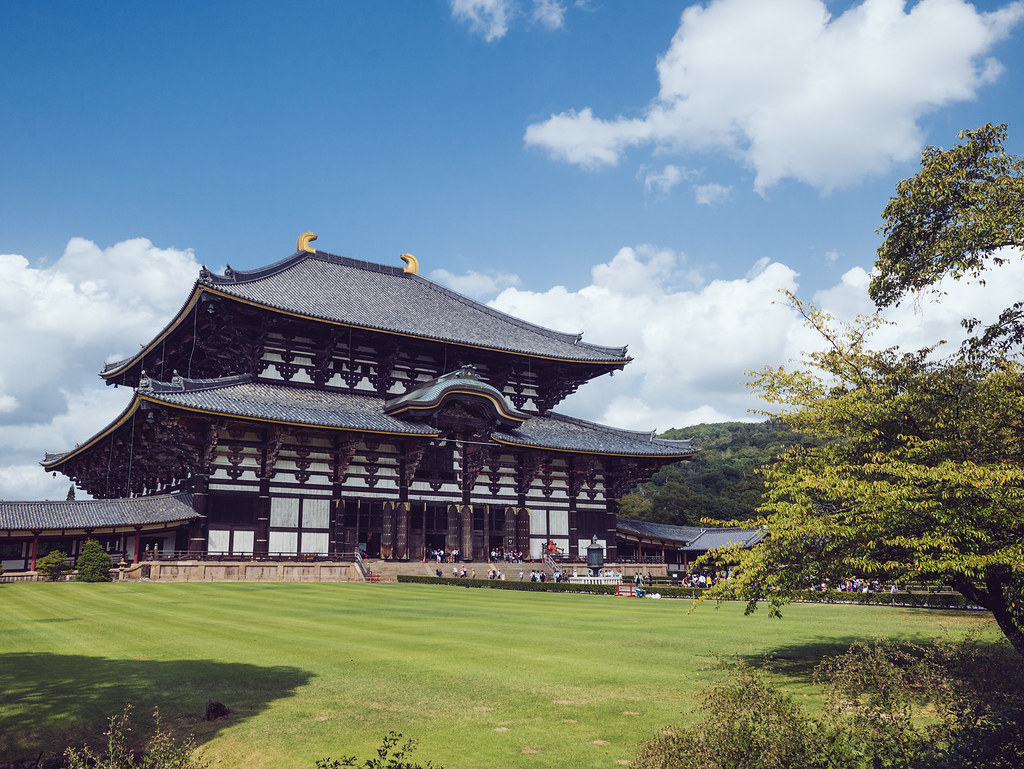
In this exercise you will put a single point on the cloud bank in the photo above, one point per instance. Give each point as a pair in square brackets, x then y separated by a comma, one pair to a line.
[793, 92]
[59, 324]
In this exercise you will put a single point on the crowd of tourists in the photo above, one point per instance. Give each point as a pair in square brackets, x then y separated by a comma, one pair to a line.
[498, 554]
[857, 585]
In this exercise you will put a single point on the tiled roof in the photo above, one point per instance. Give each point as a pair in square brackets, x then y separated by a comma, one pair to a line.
[241, 397]
[691, 538]
[556, 431]
[96, 514]
[709, 539]
[382, 297]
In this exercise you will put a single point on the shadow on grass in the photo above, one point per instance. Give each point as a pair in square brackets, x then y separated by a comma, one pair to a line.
[982, 659]
[798, 661]
[52, 701]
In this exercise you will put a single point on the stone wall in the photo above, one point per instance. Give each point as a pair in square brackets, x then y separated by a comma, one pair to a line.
[243, 571]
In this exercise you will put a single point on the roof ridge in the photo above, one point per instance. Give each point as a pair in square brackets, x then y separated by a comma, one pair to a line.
[148, 385]
[233, 277]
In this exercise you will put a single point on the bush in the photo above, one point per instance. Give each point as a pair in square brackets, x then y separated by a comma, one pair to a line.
[874, 698]
[93, 563]
[161, 752]
[53, 565]
[750, 725]
[390, 755]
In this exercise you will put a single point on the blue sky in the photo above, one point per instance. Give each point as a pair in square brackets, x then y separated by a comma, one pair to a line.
[646, 172]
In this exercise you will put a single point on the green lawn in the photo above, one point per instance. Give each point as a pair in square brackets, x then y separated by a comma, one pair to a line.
[484, 678]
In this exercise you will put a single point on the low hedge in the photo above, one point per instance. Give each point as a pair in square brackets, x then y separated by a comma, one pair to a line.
[914, 600]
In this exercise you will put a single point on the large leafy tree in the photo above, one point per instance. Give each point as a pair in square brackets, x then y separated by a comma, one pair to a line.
[920, 473]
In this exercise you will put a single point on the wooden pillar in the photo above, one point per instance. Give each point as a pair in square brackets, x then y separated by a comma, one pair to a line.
[35, 548]
[509, 533]
[523, 531]
[261, 547]
[336, 543]
[451, 537]
[138, 544]
[405, 471]
[466, 550]
[487, 532]
[387, 530]
[574, 529]
[198, 529]
[611, 549]
[402, 531]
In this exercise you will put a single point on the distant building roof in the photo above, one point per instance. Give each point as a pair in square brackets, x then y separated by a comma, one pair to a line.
[96, 514]
[690, 538]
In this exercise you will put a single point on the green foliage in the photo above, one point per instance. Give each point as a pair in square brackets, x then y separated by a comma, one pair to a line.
[721, 483]
[53, 565]
[161, 752]
[919, 475]
[920, 469]
[955, 218]
[875, 696]
[390, 755]
[93, 563]
[749, 725]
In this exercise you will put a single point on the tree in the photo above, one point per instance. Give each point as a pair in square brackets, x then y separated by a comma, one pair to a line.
[93, 563]
[956, 217]
[720, 483]
[919, 476]
[53, 565]
[920, 473]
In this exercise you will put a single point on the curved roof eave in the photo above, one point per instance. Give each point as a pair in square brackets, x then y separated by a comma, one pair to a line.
[566, 450]
[60, 458]
[119, 367]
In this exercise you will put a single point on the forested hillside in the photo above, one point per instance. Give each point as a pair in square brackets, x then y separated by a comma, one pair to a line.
[720, 483]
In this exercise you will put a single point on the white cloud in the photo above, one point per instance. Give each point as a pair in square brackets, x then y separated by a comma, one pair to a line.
[476, 284]
[550, 14]
[691, 348]
[710, 194]
[487, 18]
[662, 182]
[491, 19]
[58, 324]
[796, 93]
[831, 256]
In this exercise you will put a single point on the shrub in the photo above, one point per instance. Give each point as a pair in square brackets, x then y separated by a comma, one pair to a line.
[53, 565]
[161, 751]
[93, 563]
[874, 697]
[390, 755]
[749, 725]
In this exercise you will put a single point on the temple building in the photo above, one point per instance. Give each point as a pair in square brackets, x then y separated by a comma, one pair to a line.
[323, 406]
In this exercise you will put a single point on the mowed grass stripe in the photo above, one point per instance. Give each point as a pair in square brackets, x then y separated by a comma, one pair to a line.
[483, 678]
